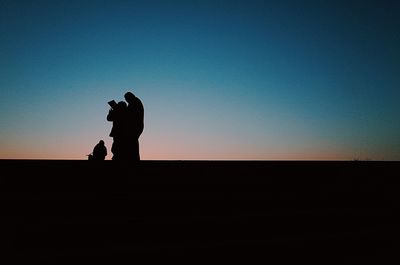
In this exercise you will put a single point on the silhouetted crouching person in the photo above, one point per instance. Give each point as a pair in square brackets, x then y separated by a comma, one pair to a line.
[117, 115]
[99, 152]
[135, 125]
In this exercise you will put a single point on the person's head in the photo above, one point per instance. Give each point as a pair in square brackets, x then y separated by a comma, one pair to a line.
[101, 142]
[122, 105]
[129, 97]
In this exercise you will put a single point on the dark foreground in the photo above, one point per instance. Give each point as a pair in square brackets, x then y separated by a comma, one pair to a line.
[64, 212]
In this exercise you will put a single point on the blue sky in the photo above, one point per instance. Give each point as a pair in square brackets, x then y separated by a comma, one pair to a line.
[218, 79]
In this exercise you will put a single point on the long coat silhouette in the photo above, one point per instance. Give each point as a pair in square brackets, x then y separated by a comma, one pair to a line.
[135, 125]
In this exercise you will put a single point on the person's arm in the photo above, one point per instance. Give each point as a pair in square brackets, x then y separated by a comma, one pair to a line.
[110, 115]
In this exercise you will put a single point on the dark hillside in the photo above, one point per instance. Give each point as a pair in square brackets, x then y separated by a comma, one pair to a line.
[275, 211]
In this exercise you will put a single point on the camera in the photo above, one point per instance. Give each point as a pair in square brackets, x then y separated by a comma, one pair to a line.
[113, 104]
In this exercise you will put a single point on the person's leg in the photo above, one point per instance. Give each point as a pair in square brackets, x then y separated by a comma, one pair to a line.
[132, 150]
[116, 149]
[135, 149]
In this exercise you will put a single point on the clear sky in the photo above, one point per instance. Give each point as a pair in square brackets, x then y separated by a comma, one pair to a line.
[218, 79]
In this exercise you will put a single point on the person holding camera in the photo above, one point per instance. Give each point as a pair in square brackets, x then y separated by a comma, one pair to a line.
[128, 125]
[117, 115]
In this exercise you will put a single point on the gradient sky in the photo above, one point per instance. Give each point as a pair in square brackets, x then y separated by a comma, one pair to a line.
[218, 79]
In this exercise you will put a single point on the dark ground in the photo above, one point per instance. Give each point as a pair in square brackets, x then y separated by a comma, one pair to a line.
[277, 212]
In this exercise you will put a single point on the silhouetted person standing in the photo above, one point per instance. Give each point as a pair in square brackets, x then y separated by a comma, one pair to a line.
[134, 125]
[99, 151]
[118, 115]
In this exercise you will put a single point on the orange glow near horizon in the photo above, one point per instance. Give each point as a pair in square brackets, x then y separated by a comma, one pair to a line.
[166, 151]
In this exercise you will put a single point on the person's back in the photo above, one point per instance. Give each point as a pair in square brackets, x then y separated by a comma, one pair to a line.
[139, 116]
[99, 151]
[135, 124]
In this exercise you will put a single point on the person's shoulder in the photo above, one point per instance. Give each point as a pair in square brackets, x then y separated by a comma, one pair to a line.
[138, 100]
